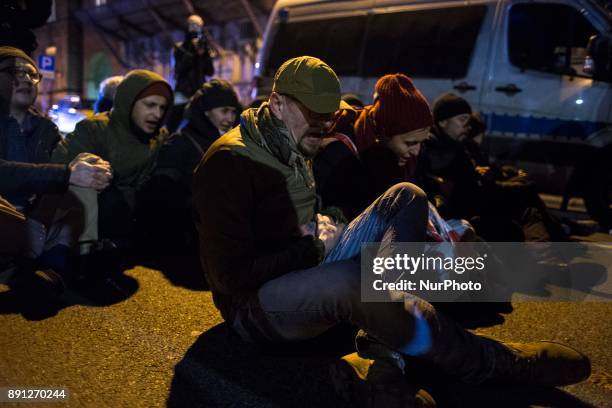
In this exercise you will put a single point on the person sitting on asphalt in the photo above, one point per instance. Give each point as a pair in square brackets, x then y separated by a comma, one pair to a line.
[353, 100]
[211, 112]
[474, 140]
[281, 272]
[388, 137]
[129, 138]
[26, 141]
[106, 96]
[503, 199]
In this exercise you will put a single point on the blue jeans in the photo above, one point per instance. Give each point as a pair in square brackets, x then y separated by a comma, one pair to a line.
[303, 304]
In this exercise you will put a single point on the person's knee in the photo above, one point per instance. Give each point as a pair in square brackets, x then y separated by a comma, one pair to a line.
[406, 192]
[404, 195]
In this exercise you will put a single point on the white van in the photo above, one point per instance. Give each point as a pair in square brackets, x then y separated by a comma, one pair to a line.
[539, 70]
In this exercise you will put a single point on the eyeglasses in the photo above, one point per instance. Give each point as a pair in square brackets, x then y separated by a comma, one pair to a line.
[310, 116]
[34, 77]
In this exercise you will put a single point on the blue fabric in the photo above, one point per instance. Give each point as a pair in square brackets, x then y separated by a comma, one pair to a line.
[303, 304]
[422, 341]
[362, 230]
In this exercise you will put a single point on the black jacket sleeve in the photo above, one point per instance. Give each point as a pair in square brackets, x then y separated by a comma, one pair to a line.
[340, 179]
[33, 178]
[225, 203]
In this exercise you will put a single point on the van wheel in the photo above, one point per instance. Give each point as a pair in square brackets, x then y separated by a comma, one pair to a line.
[597, 187]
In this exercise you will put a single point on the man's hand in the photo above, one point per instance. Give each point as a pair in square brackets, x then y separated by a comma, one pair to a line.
[329, 231]
[91, 171]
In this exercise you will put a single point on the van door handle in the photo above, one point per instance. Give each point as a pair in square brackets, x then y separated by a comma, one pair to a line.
[464, 87]
[509, 89]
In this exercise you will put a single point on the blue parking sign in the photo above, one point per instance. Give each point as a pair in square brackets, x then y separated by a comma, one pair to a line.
[46, 63]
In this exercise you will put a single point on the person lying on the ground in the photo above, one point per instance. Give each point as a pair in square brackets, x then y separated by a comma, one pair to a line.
[281, 272]
[129, 138]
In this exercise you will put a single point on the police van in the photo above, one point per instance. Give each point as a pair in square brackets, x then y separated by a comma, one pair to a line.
[540, 71]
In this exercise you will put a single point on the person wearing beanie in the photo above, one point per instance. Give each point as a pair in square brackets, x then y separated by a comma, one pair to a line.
[211, 112]
[451, 115]
[129, 137]
[502, 203]
[217, 102]
[387, 135]
[400, 118]
[353, 100]
[27, 139]
[28, 180]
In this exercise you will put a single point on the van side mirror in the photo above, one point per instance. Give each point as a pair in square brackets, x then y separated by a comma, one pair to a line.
[598, 61]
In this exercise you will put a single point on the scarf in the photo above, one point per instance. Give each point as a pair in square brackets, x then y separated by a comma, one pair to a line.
[274, 136]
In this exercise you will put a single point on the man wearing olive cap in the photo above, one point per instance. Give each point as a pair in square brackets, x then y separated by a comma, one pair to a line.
[281, 271]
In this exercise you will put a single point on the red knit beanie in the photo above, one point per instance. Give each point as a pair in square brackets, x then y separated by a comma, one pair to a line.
[400, 107]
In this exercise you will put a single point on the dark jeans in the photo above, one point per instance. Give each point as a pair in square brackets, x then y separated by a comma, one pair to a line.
[303, 304]
[115, 215]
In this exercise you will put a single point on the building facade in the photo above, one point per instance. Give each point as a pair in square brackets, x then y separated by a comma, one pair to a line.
[90, 40]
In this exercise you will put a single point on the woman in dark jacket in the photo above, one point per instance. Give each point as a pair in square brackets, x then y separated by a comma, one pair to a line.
[387, 140]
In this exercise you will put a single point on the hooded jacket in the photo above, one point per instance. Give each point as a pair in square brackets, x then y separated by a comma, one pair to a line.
[113, 136]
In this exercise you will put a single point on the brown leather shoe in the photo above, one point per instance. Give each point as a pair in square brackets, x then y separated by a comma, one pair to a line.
[543, 363]
[376, 383]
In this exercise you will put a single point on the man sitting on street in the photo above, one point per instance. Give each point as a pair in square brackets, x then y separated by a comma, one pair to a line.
[26, 141]
[129, 138]
[280, 272]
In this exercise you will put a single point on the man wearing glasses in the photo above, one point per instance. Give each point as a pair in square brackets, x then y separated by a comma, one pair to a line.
[27, 139]
[280, 271]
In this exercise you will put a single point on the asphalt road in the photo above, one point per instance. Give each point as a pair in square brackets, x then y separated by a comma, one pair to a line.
[155, 339]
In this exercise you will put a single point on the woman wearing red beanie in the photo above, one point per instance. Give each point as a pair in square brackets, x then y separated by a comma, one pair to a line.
[389, 133]
[388, 136]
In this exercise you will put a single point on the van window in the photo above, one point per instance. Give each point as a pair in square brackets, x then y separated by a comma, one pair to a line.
[435, 43]
[336, 41]
[549, 38]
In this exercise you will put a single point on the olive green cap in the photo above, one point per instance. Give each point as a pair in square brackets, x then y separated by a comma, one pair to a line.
[310, 81]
